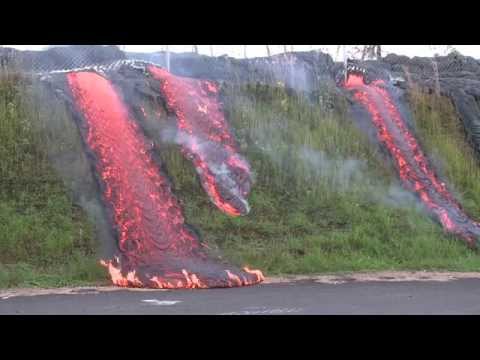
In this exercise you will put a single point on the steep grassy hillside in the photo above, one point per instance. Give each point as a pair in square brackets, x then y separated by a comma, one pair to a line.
[44, 238]
[325, 198]
[443, 137]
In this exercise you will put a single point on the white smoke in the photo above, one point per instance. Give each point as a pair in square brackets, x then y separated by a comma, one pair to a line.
[342, 171]
[216, 165]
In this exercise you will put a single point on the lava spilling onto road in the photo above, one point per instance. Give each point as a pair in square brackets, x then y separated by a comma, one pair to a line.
[156, 248]
[412, 165]
[206, 140]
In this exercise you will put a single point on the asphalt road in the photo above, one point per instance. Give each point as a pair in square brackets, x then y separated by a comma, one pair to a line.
[301, 297]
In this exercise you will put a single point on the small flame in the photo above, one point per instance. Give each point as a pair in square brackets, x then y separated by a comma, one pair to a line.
[153, 238]
[257, 273]
[203, 109]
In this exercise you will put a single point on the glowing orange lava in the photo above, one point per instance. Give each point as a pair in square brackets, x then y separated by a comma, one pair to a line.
[206, 138]
[156, 248]
[413, 167]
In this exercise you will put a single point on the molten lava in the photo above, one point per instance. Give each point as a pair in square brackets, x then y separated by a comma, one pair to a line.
[412, 165]
[205, 138]
[156, 247]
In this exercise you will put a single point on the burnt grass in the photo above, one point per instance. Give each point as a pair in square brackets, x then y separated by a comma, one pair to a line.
[325, 199]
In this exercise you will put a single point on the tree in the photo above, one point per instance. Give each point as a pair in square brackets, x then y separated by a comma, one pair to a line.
[245, 51]
[268, 51]
[371, 52]
[354, 52]
[439, 50]
[195, 49]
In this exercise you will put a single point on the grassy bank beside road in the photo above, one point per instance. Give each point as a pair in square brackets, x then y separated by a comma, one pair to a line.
[325, 199]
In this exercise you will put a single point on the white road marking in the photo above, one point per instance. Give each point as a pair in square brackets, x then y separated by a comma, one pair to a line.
[265, 311]
[161, 302]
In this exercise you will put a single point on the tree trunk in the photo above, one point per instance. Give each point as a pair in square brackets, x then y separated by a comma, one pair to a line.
[168, 57]
[268, 51]
[364, 52]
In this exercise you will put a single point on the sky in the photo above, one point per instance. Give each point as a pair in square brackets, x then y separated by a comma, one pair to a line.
[261, 50]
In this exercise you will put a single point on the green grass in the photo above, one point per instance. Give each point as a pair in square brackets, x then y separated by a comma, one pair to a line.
[443, 136]
[45, 240]
[325, 198]
[308, 221]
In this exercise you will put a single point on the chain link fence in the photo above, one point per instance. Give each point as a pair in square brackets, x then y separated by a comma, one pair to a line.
[60, 58]
[454, 75]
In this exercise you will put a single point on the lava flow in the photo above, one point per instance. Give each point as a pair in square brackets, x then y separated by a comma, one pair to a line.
[412, 165]
[206, 140]
[156, 247]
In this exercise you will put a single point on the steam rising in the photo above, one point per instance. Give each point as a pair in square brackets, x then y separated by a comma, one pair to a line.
[155, 246]
[413, 167]
[343, 171]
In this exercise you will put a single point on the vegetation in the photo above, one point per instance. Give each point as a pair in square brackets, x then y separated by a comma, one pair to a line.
[443, 137]
[45, 239]
[325, 199]
[315, 213]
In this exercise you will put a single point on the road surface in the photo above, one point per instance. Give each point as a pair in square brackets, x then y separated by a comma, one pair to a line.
[297, 297]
